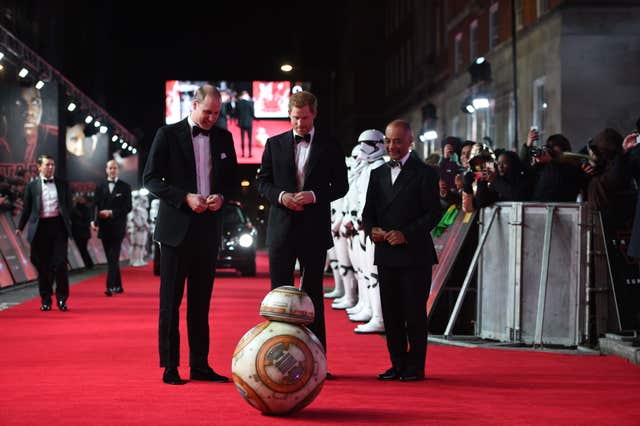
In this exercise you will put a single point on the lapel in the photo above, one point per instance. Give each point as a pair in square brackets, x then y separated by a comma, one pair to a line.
[314, 155]
[406, 175]
[186, 143]
[37, 194]
[288, 150]
[61, 194]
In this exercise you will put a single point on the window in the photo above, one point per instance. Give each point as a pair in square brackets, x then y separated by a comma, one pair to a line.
[519, 13]
[539, 104]
[543, 7]
[457, 53]
[494, 26]
[473, 40]
[455, 122]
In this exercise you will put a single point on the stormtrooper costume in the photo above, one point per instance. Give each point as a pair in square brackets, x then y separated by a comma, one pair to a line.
[140, 229]
[342, 237]
[372, 150]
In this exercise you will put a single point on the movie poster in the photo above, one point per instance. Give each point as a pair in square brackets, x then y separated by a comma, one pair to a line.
[28, 126]
[87, 153]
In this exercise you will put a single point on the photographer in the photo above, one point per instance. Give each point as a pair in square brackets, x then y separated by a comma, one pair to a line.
[557, 178]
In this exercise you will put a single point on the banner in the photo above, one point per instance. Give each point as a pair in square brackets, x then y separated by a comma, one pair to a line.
[28, 126]
[447, 246]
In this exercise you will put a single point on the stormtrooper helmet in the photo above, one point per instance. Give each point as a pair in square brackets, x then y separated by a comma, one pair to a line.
[371, 145]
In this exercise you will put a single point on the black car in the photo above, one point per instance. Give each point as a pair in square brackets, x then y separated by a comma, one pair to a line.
[239, 238]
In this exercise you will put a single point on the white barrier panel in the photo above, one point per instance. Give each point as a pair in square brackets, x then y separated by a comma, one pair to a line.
[528, 291]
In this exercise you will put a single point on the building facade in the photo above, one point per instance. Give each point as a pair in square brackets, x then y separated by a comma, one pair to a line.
[577, 68]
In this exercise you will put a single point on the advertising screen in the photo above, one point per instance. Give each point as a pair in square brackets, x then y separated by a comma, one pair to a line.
[252, 111]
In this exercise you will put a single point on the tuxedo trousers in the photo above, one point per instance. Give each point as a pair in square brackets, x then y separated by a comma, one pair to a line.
[49, 256]
[311, 255]
[404, 292]
[193, 261]
[112, 251]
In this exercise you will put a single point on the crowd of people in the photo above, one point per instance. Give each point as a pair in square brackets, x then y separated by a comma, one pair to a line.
[473, 175]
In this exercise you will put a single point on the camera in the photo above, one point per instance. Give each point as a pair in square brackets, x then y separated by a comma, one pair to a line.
[538, 151]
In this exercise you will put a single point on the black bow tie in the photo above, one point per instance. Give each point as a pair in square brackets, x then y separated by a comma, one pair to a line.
[300, 138]
[197, 130]
[395, 163]
[111, 181]
[48, 180]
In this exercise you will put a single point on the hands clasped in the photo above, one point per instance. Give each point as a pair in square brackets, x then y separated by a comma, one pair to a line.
[394, 238]
[297, 200]
[198, 203]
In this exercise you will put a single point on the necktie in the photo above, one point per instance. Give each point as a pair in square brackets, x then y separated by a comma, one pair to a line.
[198, 130]
[395, 163]
[300, 138]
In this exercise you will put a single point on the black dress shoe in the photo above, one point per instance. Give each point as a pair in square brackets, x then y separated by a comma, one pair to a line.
[117, 290]
[390, 374]
[172, 377]
[207, 374]
[411, 376]
[62, 305]
[45, 307]
[108, 292]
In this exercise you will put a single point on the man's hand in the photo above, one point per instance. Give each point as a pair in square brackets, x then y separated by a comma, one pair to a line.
[196, 202]
[289, 201]
[303, 198]
[395, 238]
[378, 234]
[214, 202]
[105, 214]
[630, 142]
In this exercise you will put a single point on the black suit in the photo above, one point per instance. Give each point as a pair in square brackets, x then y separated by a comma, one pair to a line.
[411, 205]
[112, 230]
[304, 235]
[48, 238]
[189, 241]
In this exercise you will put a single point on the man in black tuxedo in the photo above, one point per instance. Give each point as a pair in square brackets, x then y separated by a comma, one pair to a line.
[191, 168]
[402, 206]
[301, 173]
[112, 203]
[47, 208]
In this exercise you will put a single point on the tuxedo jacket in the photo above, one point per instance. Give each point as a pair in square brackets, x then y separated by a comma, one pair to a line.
[325, 175]
[411, 205]
[118, 201]
[33, 202]
[170, 174]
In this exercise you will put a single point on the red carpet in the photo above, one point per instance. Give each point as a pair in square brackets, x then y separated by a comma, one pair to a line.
[97, 364]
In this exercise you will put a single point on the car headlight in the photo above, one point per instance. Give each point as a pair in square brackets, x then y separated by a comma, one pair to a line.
[245, 240]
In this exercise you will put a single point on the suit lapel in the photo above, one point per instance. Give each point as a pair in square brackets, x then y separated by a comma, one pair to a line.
[184, 136]
[288, 150]
[37, 192]
[315, 154]
[406, 174]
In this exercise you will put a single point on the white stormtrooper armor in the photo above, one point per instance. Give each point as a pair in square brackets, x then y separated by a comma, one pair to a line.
[140, 232]
[342, 236]
[372, 150]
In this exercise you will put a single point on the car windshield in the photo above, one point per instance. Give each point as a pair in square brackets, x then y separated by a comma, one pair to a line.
[232, 216]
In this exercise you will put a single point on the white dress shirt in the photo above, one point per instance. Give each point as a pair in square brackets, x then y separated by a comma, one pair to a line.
[202, 153]
[301, 157]
[112, 184]
[49, 206]
[395, 171]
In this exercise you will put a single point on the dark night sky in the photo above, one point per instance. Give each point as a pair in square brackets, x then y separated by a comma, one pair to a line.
[219, 41]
